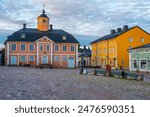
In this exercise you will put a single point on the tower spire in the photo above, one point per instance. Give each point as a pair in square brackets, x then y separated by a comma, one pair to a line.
[43, 9]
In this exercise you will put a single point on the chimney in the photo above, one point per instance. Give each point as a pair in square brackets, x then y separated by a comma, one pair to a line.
[118, 29]
[125, 27]
[113, 31]
[24, 26]
[51, 27]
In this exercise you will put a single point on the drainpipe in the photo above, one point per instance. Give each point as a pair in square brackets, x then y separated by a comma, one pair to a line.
[107, 51]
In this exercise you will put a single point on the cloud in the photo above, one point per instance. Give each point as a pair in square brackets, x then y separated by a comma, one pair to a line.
[80, 17]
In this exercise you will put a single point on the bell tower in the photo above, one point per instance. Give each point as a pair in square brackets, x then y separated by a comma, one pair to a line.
[43, 21]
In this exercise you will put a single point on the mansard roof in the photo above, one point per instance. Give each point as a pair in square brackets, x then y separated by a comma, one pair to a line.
[32, 35]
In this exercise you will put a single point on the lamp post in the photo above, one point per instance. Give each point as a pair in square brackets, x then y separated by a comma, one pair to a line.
[82, 61]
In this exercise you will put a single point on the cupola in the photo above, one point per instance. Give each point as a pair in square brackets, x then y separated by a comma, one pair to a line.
[43, 21]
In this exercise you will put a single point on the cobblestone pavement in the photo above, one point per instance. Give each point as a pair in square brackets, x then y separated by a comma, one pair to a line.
[23, 83]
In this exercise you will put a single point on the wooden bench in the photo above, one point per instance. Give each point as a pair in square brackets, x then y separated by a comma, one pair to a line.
[132, 75]
[45, 66]
[27, 65]
[99, 72]
[116, 73]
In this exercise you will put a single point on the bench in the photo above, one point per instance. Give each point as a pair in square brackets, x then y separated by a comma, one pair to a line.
[27, 65]
[99, 72]
[132, 75]
[45, 66]
[116, 73]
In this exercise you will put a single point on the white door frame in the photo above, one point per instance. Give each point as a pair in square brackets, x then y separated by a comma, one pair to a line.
[42, 59]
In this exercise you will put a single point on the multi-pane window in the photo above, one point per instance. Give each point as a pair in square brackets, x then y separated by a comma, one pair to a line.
[41, 47]
[72, 48]
[22, 58]
[13, 47]
[56, 48]
[64, 48]
[23, 47]
[31, 47]
[48, 47]
[56, 58]
[64, 58]
[143, 64]
[31, 58]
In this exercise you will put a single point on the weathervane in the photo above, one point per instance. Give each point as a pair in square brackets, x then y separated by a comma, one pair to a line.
[43, 9]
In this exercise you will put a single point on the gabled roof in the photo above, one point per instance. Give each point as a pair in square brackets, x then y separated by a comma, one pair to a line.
[32, 35]
[140, 47]
[112, 36]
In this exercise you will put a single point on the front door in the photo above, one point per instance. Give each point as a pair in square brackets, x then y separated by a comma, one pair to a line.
[134, 64]
[71, 62]
[45, 60]
[13, 60]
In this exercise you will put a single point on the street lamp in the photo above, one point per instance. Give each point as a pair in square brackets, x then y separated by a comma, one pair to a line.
[82, 61]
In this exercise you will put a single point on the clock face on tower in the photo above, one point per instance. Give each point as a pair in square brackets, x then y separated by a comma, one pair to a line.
[44, 20]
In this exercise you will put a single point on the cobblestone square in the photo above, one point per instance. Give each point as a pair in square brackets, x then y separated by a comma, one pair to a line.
[25, 83]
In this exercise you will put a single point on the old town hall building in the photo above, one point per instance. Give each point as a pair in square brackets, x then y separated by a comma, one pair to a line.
[44, 45]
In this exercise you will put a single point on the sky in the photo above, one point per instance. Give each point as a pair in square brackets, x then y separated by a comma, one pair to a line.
[87, 20]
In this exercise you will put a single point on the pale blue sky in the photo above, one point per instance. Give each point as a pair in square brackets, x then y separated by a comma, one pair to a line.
[85, 19]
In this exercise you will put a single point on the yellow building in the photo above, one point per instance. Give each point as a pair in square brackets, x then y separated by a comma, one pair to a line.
[113, 48]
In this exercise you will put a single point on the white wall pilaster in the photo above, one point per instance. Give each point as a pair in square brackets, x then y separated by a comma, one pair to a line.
[51, 53]
[130, 62]
[37, 54]
[8, 53]
[77, 55]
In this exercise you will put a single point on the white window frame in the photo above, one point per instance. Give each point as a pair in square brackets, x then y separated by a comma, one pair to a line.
[64, 37]
[63, 48]
[140, 63]
[30, 58]
[24, 60]
[12, 47]
[57, 59]
[41, 45]
[23, 35]
[21, 48]
[131, 39]
[30, 47]
[71, 48]
[55, 48]
[49, 47]
[142, 40]
[63, 58]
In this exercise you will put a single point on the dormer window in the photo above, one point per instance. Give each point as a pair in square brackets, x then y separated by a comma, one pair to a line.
[131, 39]
[23, 36]
[142, 39]
[64, 37]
